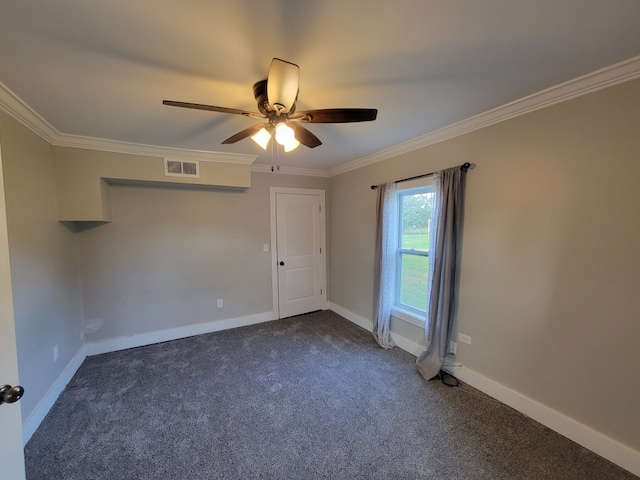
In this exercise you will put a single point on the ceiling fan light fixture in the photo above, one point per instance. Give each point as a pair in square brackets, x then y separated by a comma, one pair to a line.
[262, 138]
[284, 134]
[291, 145]
[282, 85]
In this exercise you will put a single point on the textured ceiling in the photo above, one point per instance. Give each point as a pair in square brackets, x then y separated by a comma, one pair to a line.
[102, 69]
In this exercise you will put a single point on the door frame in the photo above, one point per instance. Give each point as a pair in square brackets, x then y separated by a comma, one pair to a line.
[274, 242]
[11, 443]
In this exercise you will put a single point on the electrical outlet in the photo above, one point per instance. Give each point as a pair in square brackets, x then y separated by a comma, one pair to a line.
[55, 353]
[219, 303]
[453, 347]
[464, 338]
[265, 247]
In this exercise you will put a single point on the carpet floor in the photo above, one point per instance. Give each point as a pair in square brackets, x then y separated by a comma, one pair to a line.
[309, 397]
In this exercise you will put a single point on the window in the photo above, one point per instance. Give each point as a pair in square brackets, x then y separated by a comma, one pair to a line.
[414, 217]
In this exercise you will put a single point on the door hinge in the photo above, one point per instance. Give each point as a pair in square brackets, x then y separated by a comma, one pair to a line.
[320, 249]
[320, 208]
[320, 291]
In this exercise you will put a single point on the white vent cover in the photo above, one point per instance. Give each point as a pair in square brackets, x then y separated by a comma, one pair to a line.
[179, 168]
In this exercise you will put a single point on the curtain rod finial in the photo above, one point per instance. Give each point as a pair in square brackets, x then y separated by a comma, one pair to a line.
[373, 187]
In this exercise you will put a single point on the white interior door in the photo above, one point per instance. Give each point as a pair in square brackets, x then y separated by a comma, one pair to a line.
[11, 453]
[300, 252]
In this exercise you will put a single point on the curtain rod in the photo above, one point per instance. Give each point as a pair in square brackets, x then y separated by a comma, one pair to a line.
[464, 167]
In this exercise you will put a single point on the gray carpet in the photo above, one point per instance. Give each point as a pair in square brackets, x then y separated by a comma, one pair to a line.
[303, 398]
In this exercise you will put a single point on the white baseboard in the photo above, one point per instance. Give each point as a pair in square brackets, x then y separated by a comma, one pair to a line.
[352, 317]
[595, 441]
[404, 343]
[149, 338]
[407, 345]
[33, 421]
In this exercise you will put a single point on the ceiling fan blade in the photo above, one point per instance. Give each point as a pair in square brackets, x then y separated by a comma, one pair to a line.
[247, 132]
[336, 115]
[211, 108]
[304, 136]
[282, 85]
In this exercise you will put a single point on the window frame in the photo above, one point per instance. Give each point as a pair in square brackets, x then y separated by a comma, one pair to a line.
[399, 310]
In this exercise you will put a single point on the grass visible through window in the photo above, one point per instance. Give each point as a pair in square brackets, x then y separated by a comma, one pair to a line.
[414, 268]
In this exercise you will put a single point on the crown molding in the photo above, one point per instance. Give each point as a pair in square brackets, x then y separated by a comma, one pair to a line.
[598, 80]
[13, 105]
[92, 143]
[307, 172]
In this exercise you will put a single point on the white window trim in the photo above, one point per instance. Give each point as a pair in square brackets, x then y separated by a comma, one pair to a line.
[400, 311]
[407, 316]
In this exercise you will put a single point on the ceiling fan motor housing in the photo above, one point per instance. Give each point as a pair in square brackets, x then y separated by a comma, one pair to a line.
[260, 94]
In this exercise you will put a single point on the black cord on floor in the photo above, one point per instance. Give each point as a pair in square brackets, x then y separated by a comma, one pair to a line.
[447, 379]
[450, 381]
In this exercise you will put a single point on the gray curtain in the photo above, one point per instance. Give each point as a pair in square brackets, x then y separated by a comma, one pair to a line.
[446, 221]
[385, 266]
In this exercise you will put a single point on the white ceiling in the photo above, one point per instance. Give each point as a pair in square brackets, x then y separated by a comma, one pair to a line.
[102, 68]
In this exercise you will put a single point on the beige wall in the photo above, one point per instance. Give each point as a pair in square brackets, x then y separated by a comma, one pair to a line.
[170, 252]
[550, 274]
[82, 178]
[44, 273]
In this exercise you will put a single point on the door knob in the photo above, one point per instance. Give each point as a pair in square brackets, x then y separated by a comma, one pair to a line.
[281, 263]
[9, 394]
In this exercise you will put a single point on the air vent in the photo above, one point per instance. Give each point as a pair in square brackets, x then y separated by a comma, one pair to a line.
[178, 168]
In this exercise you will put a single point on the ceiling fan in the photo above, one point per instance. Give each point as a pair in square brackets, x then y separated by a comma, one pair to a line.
[276, 97]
